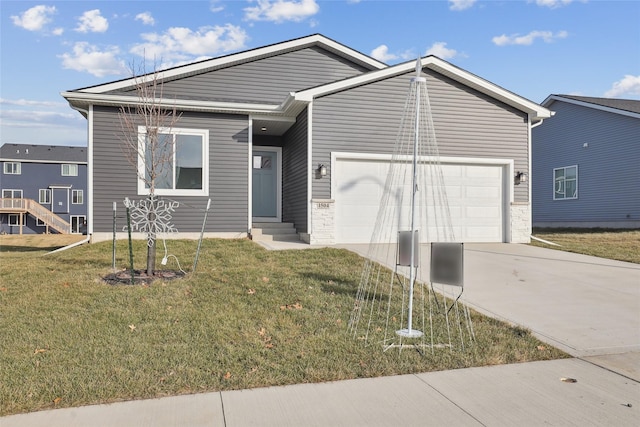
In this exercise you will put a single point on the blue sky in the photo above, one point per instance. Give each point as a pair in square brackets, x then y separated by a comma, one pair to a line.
[533, 48]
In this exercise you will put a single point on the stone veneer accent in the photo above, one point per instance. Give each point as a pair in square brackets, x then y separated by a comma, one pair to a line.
[520, 223]
[323, 223]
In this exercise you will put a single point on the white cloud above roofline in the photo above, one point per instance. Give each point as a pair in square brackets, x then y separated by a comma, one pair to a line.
[92, 21]
[629, 85]
[530, 38]
[279, 11]
[36, 18]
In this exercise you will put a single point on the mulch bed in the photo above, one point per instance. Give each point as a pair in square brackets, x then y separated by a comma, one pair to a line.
[141, 277]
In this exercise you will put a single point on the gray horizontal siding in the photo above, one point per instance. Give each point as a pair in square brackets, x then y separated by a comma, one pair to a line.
[267, 80]
[468, 124]
[115, 177]
[294, 163]
[608, 169]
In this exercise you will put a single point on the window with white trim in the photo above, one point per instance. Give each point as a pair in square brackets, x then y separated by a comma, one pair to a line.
[565, 183]
[44, 196]
[40, 223]
[77, 197]
[182, 162]
[14, 219]
[12, 168]
[69, 169]
[78, 224]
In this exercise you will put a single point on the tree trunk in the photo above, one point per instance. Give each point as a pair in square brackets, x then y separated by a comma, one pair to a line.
[151, 257]
[151, 243]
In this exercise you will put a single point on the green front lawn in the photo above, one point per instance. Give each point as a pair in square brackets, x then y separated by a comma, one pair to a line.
[247, 318]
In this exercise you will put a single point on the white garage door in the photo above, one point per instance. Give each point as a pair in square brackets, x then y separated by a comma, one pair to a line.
[474, 193]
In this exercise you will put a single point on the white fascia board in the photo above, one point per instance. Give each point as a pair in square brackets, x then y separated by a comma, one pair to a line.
[547, 102]
[180, 104]
[535, 111]
[246, 56]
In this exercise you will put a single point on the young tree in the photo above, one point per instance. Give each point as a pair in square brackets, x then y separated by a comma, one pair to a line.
[147, 144]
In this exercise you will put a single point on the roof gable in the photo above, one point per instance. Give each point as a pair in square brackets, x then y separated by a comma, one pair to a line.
[535, 111]
[243, 57]
[625, 107]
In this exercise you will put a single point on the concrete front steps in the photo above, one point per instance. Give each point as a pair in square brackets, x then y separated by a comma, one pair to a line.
[274, 232]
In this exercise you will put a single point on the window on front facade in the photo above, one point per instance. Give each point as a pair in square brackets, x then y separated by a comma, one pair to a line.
[565, 183]
[181, 162]
[12, 168]
[69, 170]
[77, 197]
[44, 196]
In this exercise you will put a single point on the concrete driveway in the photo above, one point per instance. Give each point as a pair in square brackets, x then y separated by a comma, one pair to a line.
[585, 305]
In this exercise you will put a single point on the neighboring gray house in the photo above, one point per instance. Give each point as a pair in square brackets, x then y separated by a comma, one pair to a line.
[43, 189]
[586, 164]
[266, 121]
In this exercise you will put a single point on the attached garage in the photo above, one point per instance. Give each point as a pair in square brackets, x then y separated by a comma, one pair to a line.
[476, 189]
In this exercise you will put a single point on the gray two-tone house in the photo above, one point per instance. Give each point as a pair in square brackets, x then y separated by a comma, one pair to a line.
[44, 189]
[586, 164]
[295, 132]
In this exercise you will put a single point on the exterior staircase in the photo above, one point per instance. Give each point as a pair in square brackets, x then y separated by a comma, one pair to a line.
[274, 231]
[21, 206]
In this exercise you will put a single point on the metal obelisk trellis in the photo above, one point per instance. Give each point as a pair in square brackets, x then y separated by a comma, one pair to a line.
[399, 307]
[409, 332]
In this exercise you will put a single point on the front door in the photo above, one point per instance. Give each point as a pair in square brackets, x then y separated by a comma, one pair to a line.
[266, 182]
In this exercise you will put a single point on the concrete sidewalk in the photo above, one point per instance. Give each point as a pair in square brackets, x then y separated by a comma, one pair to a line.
[588, 306]
[528, 394]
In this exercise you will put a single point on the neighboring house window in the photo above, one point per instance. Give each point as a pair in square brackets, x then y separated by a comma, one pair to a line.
[186, 168]
[14, 199]
[14, 219]
[44, 196]
[12, 168]
[69, 170]
[565, 183]
[40, 223]
[77, 197]
[78, 224]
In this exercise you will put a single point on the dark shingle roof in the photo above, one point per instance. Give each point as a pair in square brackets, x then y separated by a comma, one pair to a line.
[630, 105]
[48, 153]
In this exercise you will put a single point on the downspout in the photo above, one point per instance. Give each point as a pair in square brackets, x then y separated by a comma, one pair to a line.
[88, 114]
[532, 126]
[73, 245]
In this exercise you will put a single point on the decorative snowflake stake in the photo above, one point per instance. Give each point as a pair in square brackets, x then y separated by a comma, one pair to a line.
[142, 219]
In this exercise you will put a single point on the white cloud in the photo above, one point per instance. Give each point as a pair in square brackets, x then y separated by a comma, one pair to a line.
[281, 10]
[57, 31]
[381, 53]
[461, 4]
[528, 39]
[182, 44]
[440, 50]
[628, 85]
[31, 103]
[92, 21]
[16, 117]
[34, 19]
[552, 3]
[215, 6]
[146, 18]
[88, 58]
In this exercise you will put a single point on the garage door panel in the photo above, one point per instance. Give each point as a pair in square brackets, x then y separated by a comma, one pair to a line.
[474, 193]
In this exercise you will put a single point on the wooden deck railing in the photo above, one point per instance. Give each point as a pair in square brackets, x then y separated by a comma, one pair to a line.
[37, 210]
